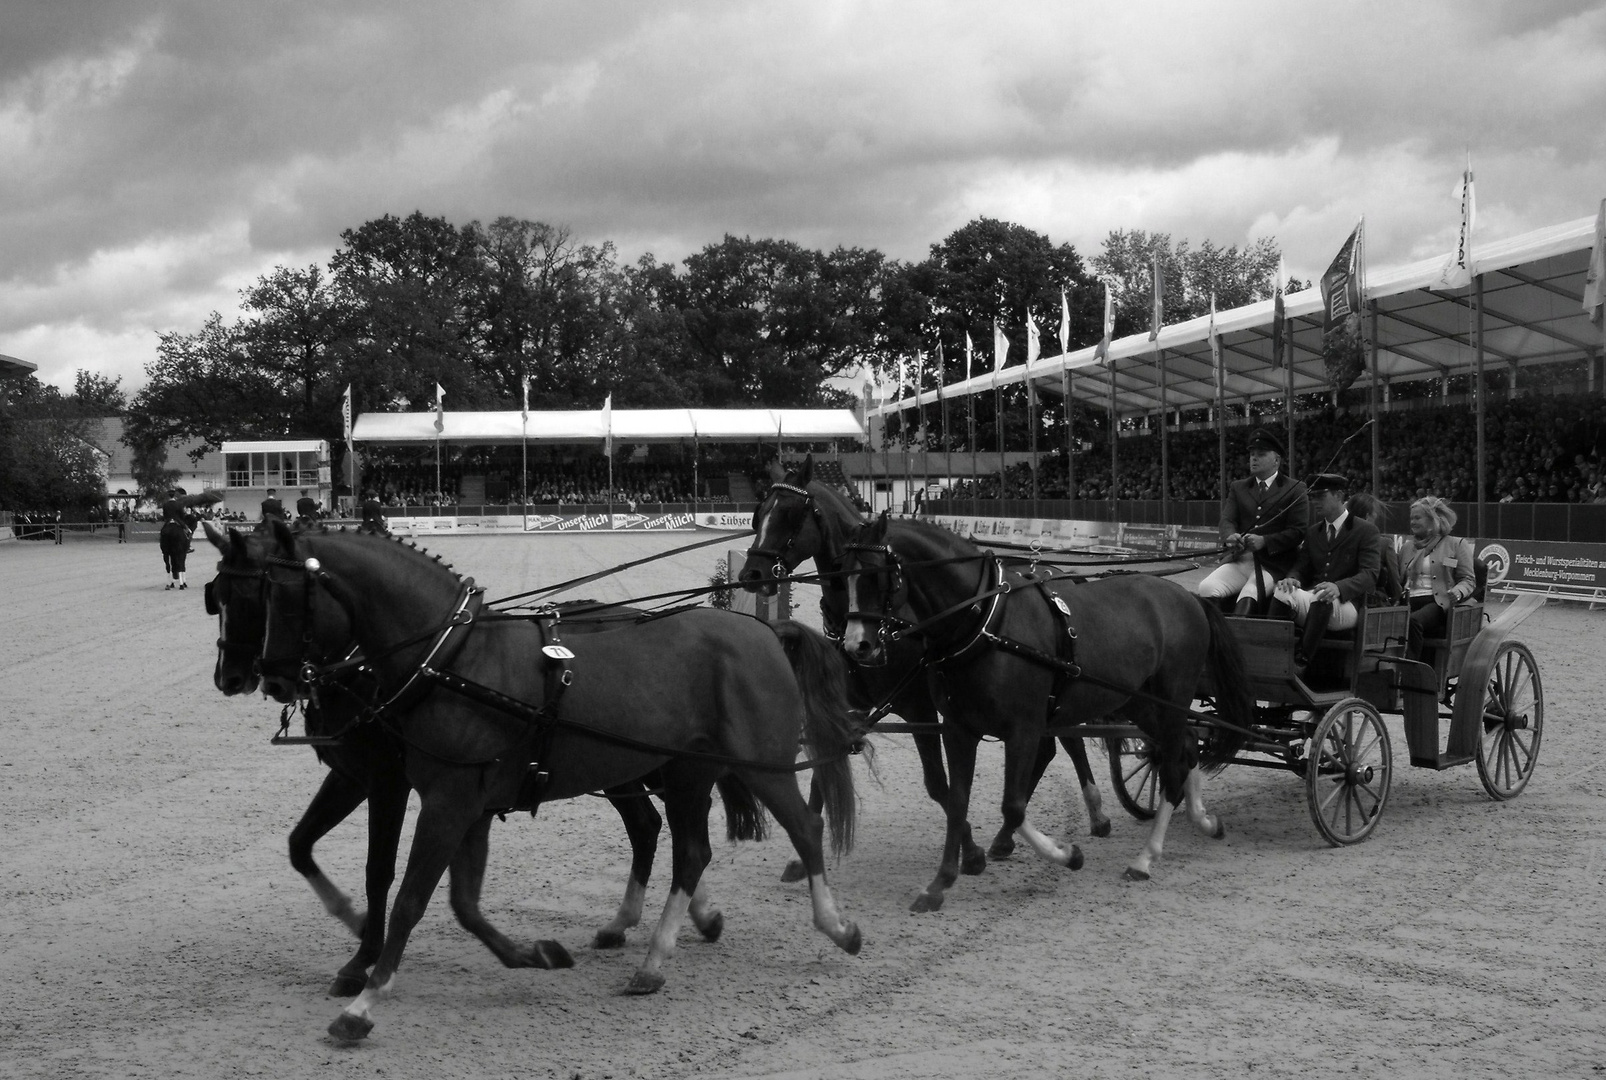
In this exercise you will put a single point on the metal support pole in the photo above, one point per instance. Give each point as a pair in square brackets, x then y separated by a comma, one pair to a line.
[1288, 394]
[1478, 391]
[1165, 442]
[998, 425]
[1031, 436]
[1115, 425]
[1377, 453]
[1221, 433]
[1070, 439]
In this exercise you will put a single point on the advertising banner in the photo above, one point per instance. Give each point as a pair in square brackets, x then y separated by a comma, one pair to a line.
[655, 522]
[1538, 565]
[731, 521]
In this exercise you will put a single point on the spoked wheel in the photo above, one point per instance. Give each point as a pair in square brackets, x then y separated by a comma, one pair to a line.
[1137, 785]
[1513, 720]
[1348, 772]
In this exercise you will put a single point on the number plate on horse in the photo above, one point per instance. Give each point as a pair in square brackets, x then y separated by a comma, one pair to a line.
[557, 652]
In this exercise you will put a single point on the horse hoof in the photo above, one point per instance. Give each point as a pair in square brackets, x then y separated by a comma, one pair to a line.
[1075, 861]
[349, 1028]
[644, 982]
[713, 927]
[794, 871]
[347, 985]
[609, 939]
[1221, 830]
[1134, 874]
[854, 941]
[927, 902]
[1102, 828]
[1003, 847]
[974, 862]
[549, 955]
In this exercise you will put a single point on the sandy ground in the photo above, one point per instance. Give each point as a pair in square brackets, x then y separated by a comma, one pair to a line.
[151, 925]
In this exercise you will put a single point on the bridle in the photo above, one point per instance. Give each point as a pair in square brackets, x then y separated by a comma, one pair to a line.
[215, 607]
[894, 592]
[780, 570]
[891, 627]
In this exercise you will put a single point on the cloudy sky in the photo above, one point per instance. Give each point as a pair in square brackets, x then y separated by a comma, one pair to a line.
[158, 155]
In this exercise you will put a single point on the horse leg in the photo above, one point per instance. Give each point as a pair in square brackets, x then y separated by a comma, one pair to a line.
[1138, 868]
[961, 750]
[387, 812]
[705, 915]
[806, 830]
[1098, 821]
[687, 809]
[337, 797]
[1022, 769]
[455, 803]
[467, 877]
[1003, 845]
[972, 860]
[1209, 824]
[1174, 762]
[795, 870]
[642, 825]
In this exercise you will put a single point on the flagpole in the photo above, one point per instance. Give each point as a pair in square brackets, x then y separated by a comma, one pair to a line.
[975, 465]
[1477, 301]
[998, 425]
[925, 435]
[1288, 392]
[1070, 440]
[1115, 424]
[1221, 424]
[1165, 442]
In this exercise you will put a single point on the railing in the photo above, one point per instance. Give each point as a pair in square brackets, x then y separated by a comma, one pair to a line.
[515, 510]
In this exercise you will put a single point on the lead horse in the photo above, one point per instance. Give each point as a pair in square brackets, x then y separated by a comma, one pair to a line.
[1019, 657]
[365, 765]
[802, 518]
[495, 714]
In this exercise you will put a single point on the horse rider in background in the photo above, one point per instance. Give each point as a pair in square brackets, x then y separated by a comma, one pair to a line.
[272, 507]
[1263, 520]
[306, 509]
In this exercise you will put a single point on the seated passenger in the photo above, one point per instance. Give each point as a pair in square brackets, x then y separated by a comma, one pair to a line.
[1337, 565]
[1436, 569]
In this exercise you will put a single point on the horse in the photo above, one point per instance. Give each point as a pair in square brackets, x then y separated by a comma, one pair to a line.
[494, 714]
[803, 518]
[1014, 664]
[365, 764]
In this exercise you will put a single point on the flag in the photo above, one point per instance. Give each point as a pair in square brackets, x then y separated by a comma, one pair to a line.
[920, 414]
[440, 409]
[1000, 350]
[1158, 317]
[1102, 353]
[1343, 351]
[970, 348]
[898, 393]
[525, 414]
[1457, 272]
[1034, 343]
[1279, 318]
[607, 425]
[1065, 323]
[345, 413]
[1215, 344]
[1595, 280]
[942, 370]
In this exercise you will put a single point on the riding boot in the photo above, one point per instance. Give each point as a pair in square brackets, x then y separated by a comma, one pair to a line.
[1279, 610]
[1316, 620]
[1246, 607]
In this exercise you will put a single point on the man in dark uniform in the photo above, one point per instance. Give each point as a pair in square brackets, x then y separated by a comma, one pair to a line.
[306, 508]
[373, 517]
[272, 507]
[1338, 565]
[1263, 520]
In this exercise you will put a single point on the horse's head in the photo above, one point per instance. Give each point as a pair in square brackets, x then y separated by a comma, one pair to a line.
[876, 588]
[308, 618]
[237, 597]
[788, 528]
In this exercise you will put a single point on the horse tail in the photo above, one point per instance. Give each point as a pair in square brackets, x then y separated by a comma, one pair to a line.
[1233, 702]
[744, 817]
[829, 730]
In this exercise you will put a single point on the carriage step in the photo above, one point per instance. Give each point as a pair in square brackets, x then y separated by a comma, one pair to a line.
[1447, 761]
[305, 740]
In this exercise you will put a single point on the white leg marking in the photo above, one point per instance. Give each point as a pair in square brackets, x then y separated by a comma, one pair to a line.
[1046, 846]
[1155, 844]
[1194, 793]
[663, 936]
[629, 913]
[702, 908]
[336, 902]
[827, 919]
[368, 998]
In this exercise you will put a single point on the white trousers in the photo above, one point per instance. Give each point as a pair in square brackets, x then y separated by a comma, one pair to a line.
[1236, 579]
[1345, 613]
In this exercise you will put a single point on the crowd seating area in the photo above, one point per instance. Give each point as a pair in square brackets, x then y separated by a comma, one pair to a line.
[1540, 449]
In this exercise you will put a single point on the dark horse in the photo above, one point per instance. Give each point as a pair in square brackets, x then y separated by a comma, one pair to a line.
[1002, 649]
[494, 715]
[803, 518]
[365, 765]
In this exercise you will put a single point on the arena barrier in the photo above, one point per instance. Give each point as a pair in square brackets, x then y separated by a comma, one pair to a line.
[490, 524]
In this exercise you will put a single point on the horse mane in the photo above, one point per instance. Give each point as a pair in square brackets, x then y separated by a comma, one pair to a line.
[358, 538]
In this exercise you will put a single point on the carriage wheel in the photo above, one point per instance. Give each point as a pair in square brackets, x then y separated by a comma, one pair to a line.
[1513, 720]
[1348, 771]
[1137, 785]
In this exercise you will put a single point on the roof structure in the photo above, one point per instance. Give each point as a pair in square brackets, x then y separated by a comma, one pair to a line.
[10, 365]
[1533, 288]
[623, 425]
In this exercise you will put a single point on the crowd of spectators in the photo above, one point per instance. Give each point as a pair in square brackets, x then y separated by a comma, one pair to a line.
[1539, 449]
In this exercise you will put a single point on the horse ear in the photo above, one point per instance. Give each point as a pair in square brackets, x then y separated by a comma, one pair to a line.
[217, 536]
[806, 473]
[283, 536]
[878, 528]
[237, 552]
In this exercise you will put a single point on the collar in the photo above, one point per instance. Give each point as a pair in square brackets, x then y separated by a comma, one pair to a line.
[1270, 481]
[1337, 524]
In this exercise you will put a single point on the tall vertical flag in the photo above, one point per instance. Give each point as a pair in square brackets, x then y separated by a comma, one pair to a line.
[607, 425]
[1000, 350]
[1065, 323]
[1343, 350]
[1595, 280]
[920, 413]
[1102, 353]
[1457, 271]
[1215, 345]
[345, 415]
[1158, 317]
[970, 363]
[1034, 342]
[524, 414]
[440, 409]
[1279, 316]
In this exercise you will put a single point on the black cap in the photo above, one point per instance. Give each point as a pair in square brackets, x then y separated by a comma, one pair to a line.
[1266, 439]
[1328, 481]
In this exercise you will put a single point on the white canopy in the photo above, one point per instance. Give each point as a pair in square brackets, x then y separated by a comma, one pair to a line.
[1533, 287]
[627, 425]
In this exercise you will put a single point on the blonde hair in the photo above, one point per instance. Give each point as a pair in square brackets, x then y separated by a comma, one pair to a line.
[1443, 515]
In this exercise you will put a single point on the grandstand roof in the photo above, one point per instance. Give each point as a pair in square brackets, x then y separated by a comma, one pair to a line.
[1533, 287]
[625, 425]
[10, 365]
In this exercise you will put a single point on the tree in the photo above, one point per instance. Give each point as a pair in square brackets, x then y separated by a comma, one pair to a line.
[203, 386]
[1236, 275]
[46, 458]
[96, 395]
[293, 333]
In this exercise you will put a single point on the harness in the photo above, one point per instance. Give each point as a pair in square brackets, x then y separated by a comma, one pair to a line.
[779, 570]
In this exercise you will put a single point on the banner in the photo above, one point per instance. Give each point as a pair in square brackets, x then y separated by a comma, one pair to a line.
[1542, 565]
[1279, 318]
[1158, 318]
[1457, 272]
[440, 409]
[1343, 348]
[1215, 345]
[1595, 279]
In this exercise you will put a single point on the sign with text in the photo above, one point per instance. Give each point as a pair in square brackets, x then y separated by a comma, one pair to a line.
[1536, 564]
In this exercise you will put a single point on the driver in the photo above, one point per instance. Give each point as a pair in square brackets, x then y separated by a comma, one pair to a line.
[1263, 519]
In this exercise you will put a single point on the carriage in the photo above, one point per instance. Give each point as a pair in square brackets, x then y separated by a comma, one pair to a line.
[1326, 724]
